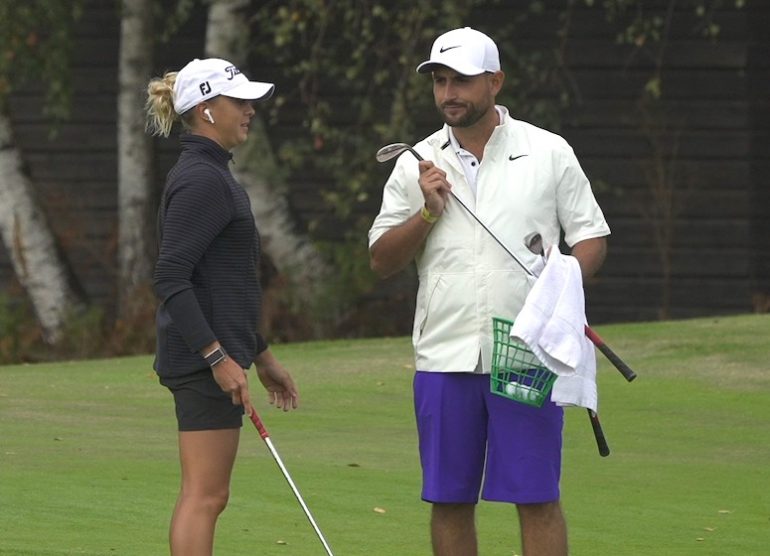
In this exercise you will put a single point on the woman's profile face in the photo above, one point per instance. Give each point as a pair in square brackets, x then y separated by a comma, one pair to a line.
[231, 117]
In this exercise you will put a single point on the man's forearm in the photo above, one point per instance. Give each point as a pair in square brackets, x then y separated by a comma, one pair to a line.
[397, 247]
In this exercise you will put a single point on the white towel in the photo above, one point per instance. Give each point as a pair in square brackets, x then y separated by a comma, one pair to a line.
[552, 324]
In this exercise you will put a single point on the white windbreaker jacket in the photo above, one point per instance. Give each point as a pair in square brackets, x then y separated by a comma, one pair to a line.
[529, 181]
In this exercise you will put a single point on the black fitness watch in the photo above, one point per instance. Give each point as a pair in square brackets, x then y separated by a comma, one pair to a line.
[216, 356]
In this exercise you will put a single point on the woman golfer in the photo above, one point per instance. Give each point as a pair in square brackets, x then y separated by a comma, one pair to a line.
[206, 279]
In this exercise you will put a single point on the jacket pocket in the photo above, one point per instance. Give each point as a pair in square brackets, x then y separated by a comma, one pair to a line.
[423, 306]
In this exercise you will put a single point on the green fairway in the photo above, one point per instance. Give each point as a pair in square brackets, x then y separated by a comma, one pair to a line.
[88, 456]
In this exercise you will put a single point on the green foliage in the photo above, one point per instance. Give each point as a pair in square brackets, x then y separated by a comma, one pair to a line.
[173, 15]
[355, 59]
[647, 29]
[350, 71]
[21, 339]
[36, 41]
[349, 67]
[87, 332]
[83, 335]
[347, 70]
[36, 46]
[341, 297]
[19, 333]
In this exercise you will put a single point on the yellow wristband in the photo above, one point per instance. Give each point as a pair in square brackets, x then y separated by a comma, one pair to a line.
[427, 216]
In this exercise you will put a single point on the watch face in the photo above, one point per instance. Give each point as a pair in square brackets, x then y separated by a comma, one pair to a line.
[216, 356]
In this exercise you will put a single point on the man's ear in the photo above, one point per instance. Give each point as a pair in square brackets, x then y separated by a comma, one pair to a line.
[496, 80]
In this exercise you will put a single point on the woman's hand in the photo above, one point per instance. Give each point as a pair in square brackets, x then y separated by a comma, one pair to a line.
[232, 379]
[277, 381]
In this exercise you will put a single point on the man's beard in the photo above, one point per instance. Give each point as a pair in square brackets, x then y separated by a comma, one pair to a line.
[472, 114]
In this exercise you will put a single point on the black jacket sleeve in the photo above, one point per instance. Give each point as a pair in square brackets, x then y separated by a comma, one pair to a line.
[197, 207]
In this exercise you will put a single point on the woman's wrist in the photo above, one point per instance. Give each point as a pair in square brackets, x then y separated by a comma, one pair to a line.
[215, 356]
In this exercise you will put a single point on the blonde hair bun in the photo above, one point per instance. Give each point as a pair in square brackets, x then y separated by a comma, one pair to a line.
[160, 104]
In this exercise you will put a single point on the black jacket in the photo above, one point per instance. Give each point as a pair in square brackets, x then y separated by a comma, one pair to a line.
[206, 276]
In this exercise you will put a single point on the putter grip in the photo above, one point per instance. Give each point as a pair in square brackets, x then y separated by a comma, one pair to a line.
[258, 423]
[619, 364]
[601, 442]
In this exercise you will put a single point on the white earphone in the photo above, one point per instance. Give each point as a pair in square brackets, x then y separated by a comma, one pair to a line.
[208, 115]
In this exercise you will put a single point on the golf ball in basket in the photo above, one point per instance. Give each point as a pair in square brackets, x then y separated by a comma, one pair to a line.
[511, 388]
[527, 393]
[520, 391]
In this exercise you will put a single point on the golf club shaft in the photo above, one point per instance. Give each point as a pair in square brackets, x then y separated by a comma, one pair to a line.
[266, 437]
[476, 218]
[601, 441]
[618, 363]
[480, 223]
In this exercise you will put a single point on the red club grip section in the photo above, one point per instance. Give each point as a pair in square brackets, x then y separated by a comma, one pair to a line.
[619, 364]
[258, 423]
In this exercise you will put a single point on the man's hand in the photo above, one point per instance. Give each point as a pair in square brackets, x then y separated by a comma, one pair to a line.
[397, 247]
[434, 187]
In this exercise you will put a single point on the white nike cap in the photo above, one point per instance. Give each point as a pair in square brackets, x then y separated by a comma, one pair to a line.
[204, 79]
[465, 50]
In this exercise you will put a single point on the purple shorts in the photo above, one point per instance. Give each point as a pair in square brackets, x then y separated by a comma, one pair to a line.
[467, 434]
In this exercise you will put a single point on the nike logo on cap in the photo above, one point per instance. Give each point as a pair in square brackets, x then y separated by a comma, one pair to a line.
[511, 157]
[445, 48]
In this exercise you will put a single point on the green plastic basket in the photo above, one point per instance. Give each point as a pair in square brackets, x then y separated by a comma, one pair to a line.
[516, 373]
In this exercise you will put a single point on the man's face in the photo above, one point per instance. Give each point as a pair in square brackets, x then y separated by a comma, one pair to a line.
[462, 100]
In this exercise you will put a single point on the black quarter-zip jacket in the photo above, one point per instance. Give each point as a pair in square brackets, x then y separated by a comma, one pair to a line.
[207, 273]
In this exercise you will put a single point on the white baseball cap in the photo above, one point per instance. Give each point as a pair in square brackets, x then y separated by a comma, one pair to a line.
[465, 50]
[204, 79]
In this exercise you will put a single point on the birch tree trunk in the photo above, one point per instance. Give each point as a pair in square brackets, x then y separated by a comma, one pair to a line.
[28, 238]
[227, 36]
[135, 197]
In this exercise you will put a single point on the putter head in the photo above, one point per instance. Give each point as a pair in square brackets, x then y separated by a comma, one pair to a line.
[389, 152]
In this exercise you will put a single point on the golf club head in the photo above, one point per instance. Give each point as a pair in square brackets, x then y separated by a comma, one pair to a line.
[534, 243]
[389, 152]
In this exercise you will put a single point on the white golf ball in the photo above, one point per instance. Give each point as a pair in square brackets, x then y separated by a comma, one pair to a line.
[511, 388]
[527, 393]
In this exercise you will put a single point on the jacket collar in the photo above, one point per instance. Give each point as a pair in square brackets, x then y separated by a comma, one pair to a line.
[507, 136]
[204, 146]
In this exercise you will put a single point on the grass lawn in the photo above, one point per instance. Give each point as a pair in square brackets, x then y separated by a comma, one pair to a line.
[88, 456]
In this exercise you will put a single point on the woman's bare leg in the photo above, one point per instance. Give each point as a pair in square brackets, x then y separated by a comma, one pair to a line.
[206, 459]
